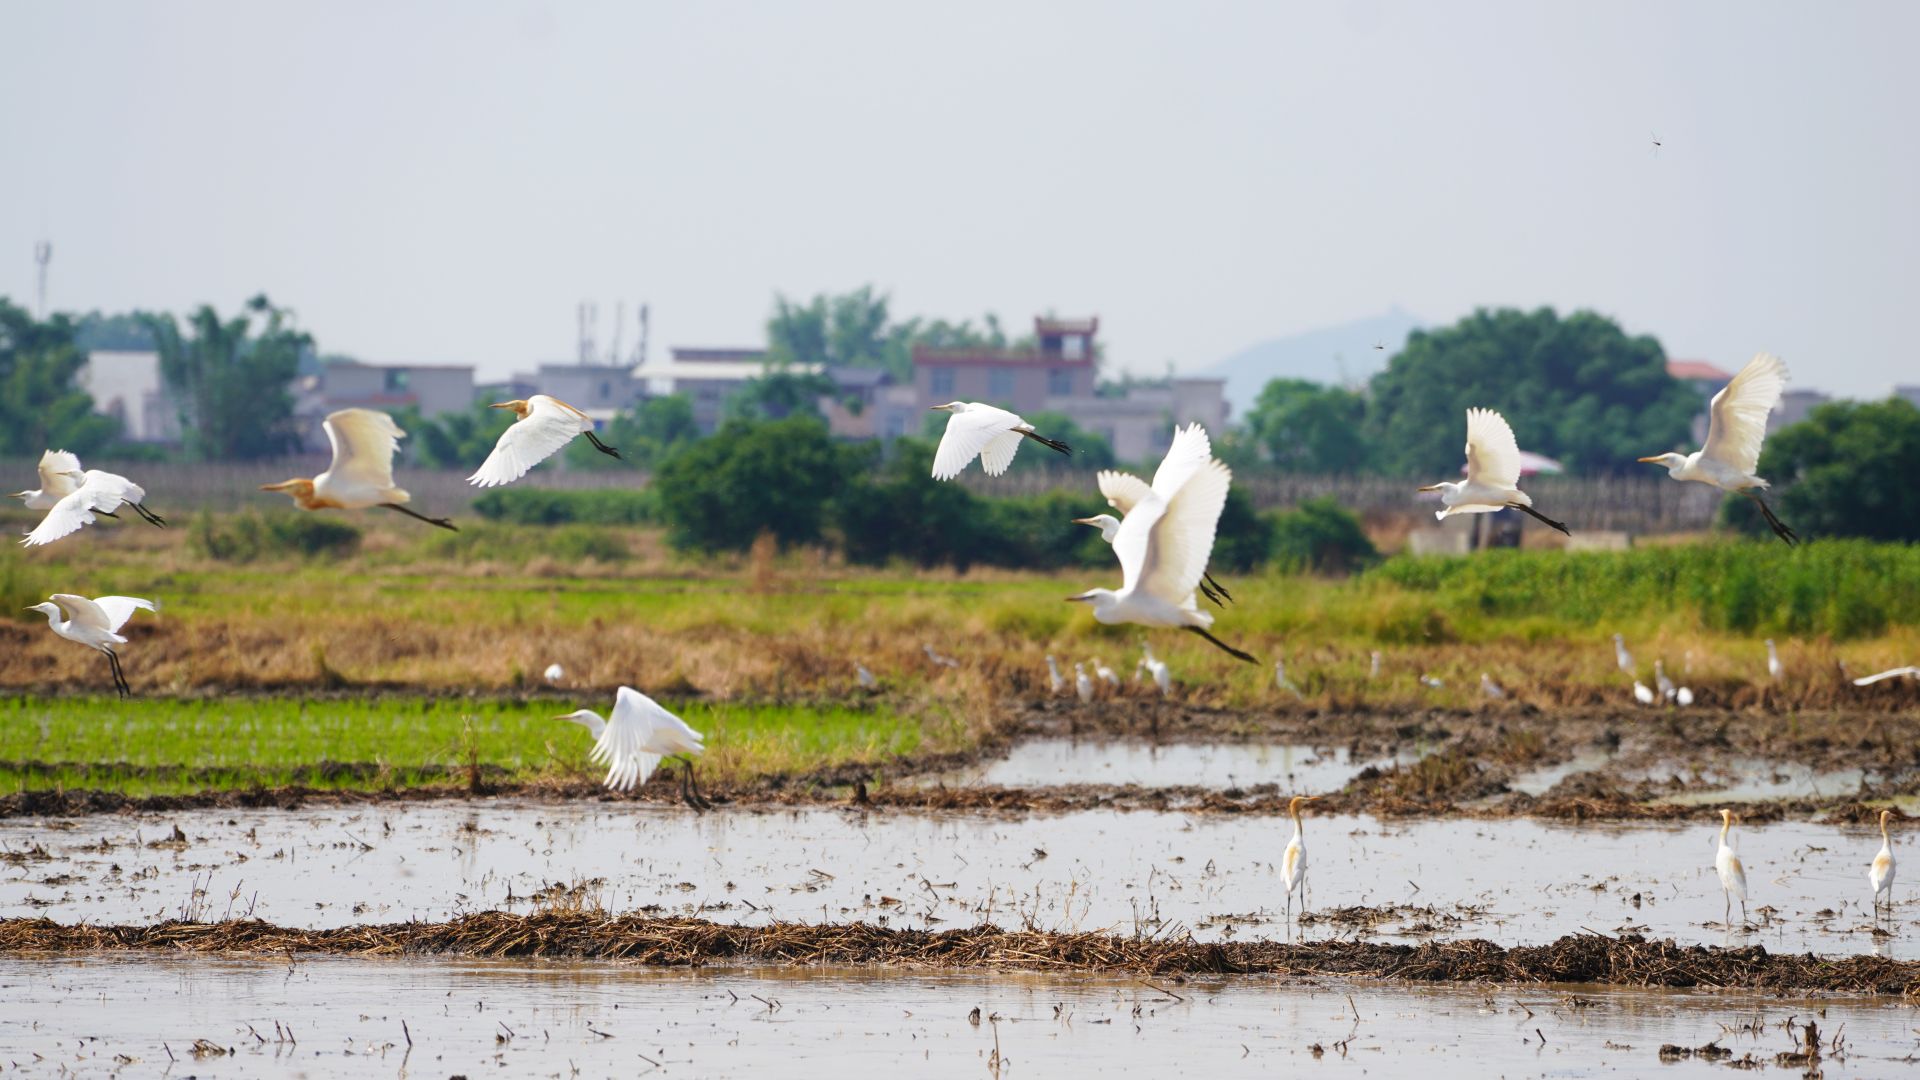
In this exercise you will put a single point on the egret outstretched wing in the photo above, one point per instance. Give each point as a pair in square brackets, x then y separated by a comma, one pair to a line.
[118, 609]
[101, 491]
[1123, 491]
[638, 735]
[1189, 450]
[968, 434]
[997, 456]
[1182, 537]
[548, 426]
[1493, 455]
[1737, 417]
[364, 443]
[60, 472]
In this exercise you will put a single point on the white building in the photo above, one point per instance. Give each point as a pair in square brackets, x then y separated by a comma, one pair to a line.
[127, 385]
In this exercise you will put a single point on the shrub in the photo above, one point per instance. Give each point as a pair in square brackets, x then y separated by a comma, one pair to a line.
[1323, 536]
[545, 506]
[251, 535]
[776, 476]
[1846, 470]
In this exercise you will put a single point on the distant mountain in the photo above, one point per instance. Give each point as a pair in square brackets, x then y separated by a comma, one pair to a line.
[1339, 355]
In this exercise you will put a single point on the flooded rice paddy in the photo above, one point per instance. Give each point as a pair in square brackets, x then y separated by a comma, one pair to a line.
[338, 1017]
[1216, 876]
[1299, 769]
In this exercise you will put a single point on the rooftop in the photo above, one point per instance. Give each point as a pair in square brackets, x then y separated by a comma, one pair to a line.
[975, 357]
[1697, 370]
[1043, 326]
[681, 353]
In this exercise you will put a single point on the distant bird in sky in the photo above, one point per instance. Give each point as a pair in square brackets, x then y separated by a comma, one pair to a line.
[1280, 679]
[1621, 656]
[1056, 682]
[1641, 693]
[1491, 688]
[938, 660]
[1774, 669]
[60, 476]
[1736, 426]
[1293, 864]
[361, 475]
[97, 492]
[1082, 685]
[636, 738]
[1188, 452]
[555, 673]
[94, 623]
[982, 431]
[865, 678]
[1163, 546]
[1493, 473]
[1908, 672]
[1880, 874]
[1733, 876]
[546, 424]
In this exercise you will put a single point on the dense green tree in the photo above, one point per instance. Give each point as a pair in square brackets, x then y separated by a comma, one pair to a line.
[721, 492]
[1578, 389]
[1306, 427]
[127, 331]
[1848, 469]
[644, 435]
[39, 407]
[856, 329]
[231, 380]
[1323, 536]
[893, 511]
[777, 395]
[452, 440]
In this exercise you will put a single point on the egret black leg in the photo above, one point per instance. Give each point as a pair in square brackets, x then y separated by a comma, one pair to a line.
[1206, 578]
[693, 781]
[1542, 518]
[1051, 444]
[442, 522]
[119, 678]
[1223, 646]
[600, 446]
[1207, 591]
[153, 519]
[1779, 527]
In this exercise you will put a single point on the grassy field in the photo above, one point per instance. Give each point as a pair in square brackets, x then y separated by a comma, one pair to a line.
[168, 746]
[416, 611]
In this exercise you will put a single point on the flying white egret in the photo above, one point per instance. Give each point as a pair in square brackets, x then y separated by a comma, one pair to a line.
[1082, 685]
[1642, 693]
[1156, 669]
[1733, 876]
[1280, 678]
[1163, 546]
[1373, 666]
[1493, 473]
[361, 475]
[1880, 874]
[982, 431]
[555, 673]
[1736, 425]
[865, 678]
[99, 492]
[639, 734]
[938, 660]
[546, 424]
[1909, 672]
[95, 623]
[1774, 667]
[1621, 656]
[1104, 673]
[1293, 864]
[1491, 688]
[1056, 682]
[60, 476]
[1664, 684]
[1189, 450]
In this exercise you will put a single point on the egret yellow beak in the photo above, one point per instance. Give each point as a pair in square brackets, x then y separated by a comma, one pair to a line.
[281, 486]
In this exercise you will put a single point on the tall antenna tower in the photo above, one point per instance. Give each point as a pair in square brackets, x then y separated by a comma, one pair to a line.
[640, 349]
[42, 255]
[619, 321]
[589, 324]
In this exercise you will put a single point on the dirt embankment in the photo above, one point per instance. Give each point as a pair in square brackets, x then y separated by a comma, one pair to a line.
[678, 942]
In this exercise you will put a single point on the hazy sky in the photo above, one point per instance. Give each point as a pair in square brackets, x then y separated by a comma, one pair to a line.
[444, 182]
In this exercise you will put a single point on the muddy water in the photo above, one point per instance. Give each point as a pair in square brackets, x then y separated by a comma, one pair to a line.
[96, 1016]
[1512, 881]
[1297, 769]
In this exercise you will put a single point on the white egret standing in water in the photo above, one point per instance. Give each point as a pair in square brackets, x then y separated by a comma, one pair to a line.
[865, 678]
[361, 475]
[1293, 864]
[1621, 656]
[1733, 876]
[1491, 688]
[1493, 473]
[1642, 693]
[1880, 874]
[554, 673]
[94, 623]
[1056, 682]
[1082, 685]
[982, 431]
[639, 734]
[545, 425]
[1774, 668]
[1736, 426]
